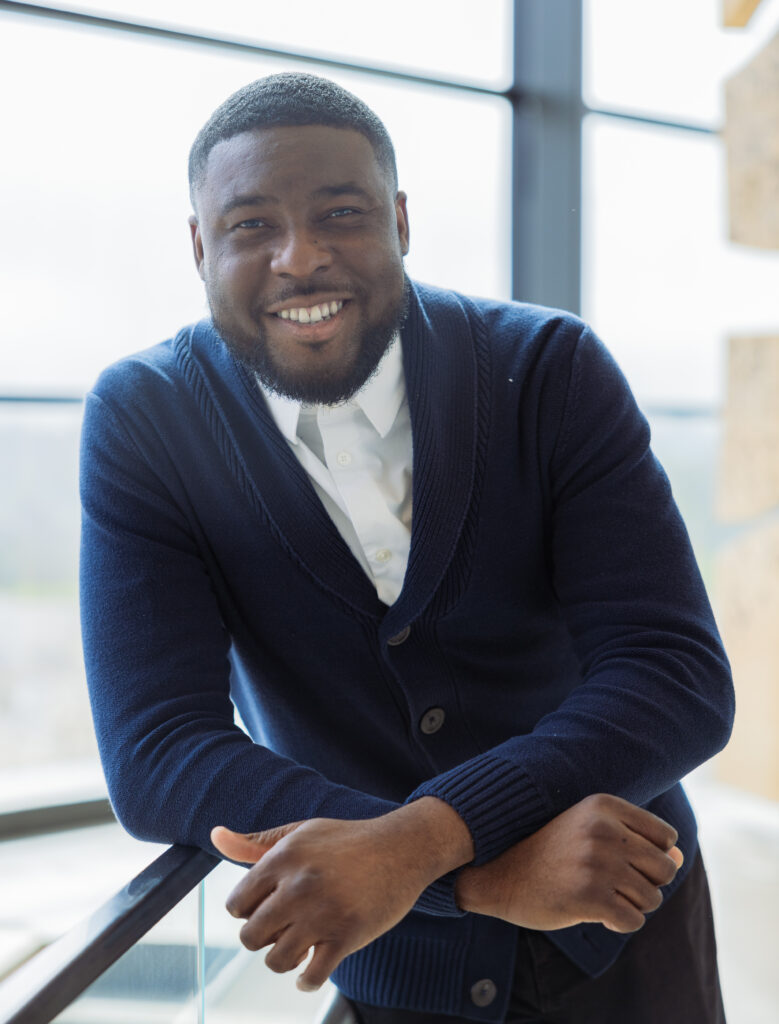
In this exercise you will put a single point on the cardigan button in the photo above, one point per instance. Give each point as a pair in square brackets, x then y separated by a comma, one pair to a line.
[483, 992]
[431, 721]
[400, 637]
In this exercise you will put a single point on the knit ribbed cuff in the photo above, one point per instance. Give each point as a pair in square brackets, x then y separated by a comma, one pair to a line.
[497, 801]
[438, 899]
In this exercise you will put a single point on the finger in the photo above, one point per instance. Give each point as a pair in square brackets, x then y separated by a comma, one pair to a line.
[327, 956]
[288, 952]
[657, 867]
[236, 845]
[649, 826]
[621, 916]
[267, 924]
[247, 848]
[639, 891]
[255, 887]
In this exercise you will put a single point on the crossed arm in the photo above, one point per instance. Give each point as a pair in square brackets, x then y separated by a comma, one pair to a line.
[337, 885]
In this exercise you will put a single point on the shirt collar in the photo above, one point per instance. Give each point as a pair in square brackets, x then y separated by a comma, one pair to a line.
[380, 398]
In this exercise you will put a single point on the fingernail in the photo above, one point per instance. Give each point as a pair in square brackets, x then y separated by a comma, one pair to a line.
[306, 986]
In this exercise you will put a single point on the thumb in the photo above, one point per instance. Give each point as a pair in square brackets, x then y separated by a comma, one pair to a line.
[248, 847]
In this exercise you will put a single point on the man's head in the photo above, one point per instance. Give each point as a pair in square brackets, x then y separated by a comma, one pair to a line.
[299, 234]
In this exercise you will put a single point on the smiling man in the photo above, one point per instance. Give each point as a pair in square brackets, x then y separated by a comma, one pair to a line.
[299, 238]
[421, 543]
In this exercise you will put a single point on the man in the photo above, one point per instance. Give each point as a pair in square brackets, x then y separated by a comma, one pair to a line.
[421, 543]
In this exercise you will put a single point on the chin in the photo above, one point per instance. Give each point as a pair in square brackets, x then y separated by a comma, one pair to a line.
[326, 386]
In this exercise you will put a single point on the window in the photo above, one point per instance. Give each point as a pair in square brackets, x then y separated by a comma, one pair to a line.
[96, 261]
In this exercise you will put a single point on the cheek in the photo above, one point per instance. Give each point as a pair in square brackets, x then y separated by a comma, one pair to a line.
[233, 275]
[381, 263]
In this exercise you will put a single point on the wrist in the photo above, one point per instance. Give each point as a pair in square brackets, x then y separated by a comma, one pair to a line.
[489, 888]
[467, 893]
[437, 834]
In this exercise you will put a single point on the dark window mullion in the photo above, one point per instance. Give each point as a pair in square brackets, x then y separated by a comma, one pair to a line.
[547, 161]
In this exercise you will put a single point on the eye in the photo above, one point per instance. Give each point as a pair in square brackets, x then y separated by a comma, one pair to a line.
[343, 211]
[252, 222]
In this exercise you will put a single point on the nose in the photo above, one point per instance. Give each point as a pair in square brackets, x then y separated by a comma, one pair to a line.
[299, 253]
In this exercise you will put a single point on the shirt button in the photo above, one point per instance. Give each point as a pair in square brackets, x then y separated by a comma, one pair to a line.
[383, 555]
[483, 992]
[400, 637]
[431, 722]
[343, 458]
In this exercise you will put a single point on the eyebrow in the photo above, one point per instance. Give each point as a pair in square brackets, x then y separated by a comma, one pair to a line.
[245, 200]
[347, 188]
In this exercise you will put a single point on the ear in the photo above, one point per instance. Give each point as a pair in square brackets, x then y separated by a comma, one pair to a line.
[401, 215]
[197, 245]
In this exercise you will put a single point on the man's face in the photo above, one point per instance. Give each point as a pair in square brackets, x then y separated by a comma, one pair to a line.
[300, 242]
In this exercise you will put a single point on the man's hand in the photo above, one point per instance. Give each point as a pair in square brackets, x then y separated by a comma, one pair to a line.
[337, 885]
[603, 860]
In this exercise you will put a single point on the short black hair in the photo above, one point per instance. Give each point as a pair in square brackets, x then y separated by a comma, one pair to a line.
[289, 99]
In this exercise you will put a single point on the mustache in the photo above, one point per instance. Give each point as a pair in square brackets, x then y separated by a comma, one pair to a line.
[302, 291]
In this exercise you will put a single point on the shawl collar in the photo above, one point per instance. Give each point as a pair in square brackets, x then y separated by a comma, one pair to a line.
[439, 362]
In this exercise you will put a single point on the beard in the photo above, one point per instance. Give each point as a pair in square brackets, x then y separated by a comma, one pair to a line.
[324, 386]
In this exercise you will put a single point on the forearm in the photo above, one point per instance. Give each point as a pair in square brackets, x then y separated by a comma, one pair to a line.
[654, 695]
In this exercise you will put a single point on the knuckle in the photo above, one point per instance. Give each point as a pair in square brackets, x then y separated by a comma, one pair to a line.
[249, 940]
[667, 871]
[655, 899]
[628, 919]
[601, 803]
[603, 829]
[234, 906]
[306, 879]
[277, 962]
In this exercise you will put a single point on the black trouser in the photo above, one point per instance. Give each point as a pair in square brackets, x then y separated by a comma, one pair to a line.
[667, 974]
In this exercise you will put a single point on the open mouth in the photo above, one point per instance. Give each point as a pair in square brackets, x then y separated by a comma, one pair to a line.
[312, 314]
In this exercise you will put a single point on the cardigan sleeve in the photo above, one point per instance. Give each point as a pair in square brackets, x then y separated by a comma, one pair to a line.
[158, 671]
[655, 698]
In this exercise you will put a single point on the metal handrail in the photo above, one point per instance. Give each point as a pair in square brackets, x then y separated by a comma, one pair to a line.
[51, 980]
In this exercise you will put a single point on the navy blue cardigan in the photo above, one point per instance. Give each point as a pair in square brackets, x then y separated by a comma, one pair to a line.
[552, 608]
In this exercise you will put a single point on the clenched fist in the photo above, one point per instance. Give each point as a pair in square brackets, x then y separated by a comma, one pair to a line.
[337, 885]
[602, 860]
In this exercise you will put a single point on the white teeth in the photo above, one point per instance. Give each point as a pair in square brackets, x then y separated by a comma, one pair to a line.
[312, 314]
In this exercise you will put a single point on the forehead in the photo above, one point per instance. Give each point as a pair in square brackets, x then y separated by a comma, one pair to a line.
[291, 162]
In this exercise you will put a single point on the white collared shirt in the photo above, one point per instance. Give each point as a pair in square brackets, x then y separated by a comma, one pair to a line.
[358, 456]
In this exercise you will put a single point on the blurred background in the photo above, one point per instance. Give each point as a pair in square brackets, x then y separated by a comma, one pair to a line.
[620, 160]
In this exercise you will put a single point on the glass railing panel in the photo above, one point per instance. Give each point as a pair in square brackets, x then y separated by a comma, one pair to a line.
[239, 988]
[157, 981]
